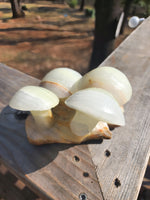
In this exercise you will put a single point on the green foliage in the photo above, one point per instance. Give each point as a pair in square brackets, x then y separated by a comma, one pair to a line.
[73, 3]
[88, 2]
[145, 4]
[89, 12]
[141, 3]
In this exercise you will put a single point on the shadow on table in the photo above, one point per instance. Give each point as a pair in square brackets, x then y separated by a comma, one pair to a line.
[17, 151]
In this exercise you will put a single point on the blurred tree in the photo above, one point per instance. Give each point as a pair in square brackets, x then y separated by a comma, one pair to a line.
[60, 1]
[107, 17]
[147, 7]
[143, 4]
[16, 9]
[82, 5]
[127, 5]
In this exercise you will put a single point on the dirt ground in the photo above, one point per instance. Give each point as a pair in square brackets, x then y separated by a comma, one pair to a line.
[50, 36]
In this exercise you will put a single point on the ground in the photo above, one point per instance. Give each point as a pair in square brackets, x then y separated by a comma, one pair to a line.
[50, 36]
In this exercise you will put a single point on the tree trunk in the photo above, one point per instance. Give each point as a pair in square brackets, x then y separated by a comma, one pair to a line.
[16, 9]
[107, 16]
[147, 2]
[82, 5]
[126, 13]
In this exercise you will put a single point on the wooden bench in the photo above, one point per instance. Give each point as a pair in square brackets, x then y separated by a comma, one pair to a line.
[109, 169]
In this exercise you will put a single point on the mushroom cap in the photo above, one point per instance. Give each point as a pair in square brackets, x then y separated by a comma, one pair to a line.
[107, 78]
[60, 81]
[97, 103]
[33, 98]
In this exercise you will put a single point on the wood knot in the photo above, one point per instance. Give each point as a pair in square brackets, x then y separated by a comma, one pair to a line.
[117, 182]
[107, 153]
[85, 174]
[76, 158]
[82, 196]
[21, 115]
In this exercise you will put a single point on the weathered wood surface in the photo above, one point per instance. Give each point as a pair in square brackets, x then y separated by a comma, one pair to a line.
[130, 145]
[55, 171]
[115, 167]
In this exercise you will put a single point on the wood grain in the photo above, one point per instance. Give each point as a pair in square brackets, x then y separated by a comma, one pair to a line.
[9, 188]
[11, 80]
[109, 170]
[55, 171]
[129, 145]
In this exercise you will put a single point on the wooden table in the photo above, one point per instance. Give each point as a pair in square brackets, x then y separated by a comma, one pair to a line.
[109, 169]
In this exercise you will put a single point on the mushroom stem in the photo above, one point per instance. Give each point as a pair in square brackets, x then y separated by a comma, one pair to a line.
[83, 124]
[43, 118]
[102, 128]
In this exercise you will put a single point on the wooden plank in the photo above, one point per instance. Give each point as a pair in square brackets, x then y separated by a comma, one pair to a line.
[120, 163]
[54, 171]
[120, 175]
[11, 80]
[8, 190]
